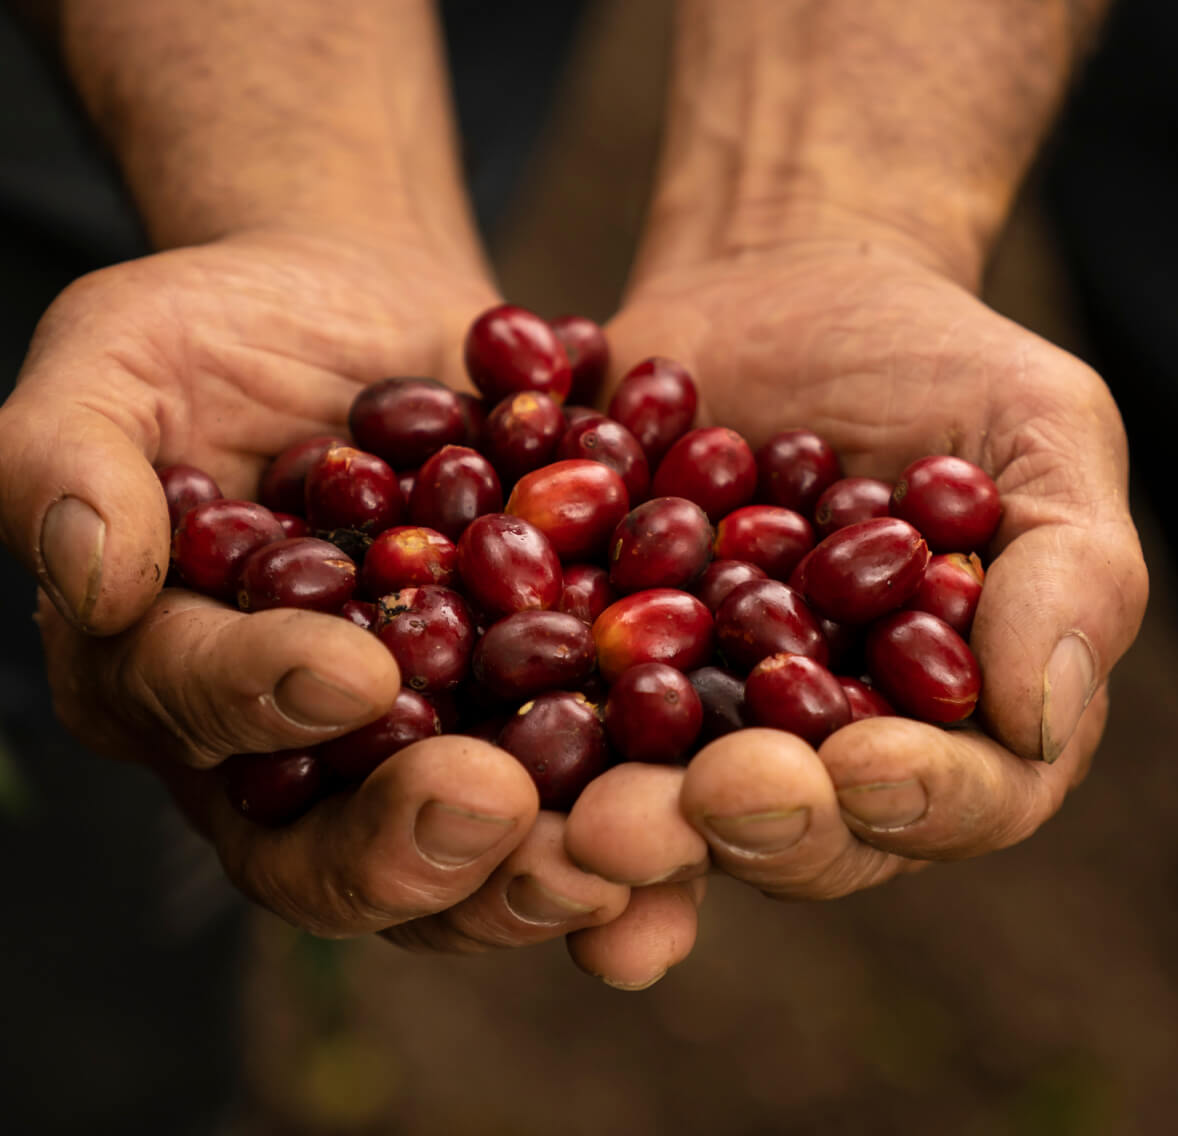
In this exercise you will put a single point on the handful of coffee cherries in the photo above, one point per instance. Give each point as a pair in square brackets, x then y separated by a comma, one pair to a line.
[583, 588]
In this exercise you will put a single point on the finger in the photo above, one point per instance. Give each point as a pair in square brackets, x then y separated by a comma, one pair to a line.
[195, 681]
[656, 932]
[627, 826]
[536, 894]
[421, 833]
[81, 506]
[920, 791]
[765, 803]
[1066, 594]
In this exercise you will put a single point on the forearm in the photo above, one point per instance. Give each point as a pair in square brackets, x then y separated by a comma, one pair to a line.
[786, 118]
[232, 114]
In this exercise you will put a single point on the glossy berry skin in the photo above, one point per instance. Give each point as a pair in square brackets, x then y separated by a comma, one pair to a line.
[352, 757]
[796, 694]
[864, 701]
[574, 414]
[407, 555]
[769, 536]
[575, 504]
[586, 592]
[301, 572]
[712, 466]
[593, 437]
[665, 542]
[283, 485]
[661, 625]
[954, 503]
[767, 617]
[588, 353]
[430, 633]
[656, 401]
[214, 539]
[529, 652]
[273, 789]
[720, 577]
[559, 739]
[721, 696]
[406, 421]
[454, 487]
[293, 525]
[923, 667]
[185, 487]
[653, 714]
[347, 488]
[849, 501]
[510, 349]
[508, 565]
[360, 613]
[521, 433]
[474, 417]
[865, 570]
[794, 467]
[950, 589]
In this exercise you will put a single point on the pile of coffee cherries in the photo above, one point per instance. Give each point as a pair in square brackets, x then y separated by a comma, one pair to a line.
[584, 588]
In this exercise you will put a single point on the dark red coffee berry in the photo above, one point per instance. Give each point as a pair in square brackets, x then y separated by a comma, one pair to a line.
[406, 421]
[586, 592]
[713, 467]
[950, 589]
[185, 487]
[766, 617]
[656, 401]
[665, 542]
[283, 485]
[273, 789]
[529, 652]
[508, 565]
[864, 701]
[510, 349]
[953, 503]
[769, 536]
[352, 757]
[431, 635]
[575, 504]
[474, 417]
[293, 525]
[363, 615]
[588, 353]
[794, 467]
[653, 714]
[212, 541]
[349, 489]
[593, 437]
[849, 501]
[300, 572]
[661, 625]
[521, 433]
[796, 694]
[720, 577]
[407, 555]
[454, 487]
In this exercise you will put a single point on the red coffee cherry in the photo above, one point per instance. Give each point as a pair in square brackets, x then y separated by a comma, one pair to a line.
[406, 421]
[185, 487]
[796, 694]
[273, 789]
[588, 352]
[430, 633]
[954, 503]
[661, 625]
[950, 589]
[352, 757]
[507, 565]
[769, 536]
[521, 433]
[213, 540]
[510, 349]
[720, 577]
[656, 401]
[300, 572]
[766, 617]
[529, 652]
[794, 468]
[283, 486]
[454, 487]
[347, 488]
[664, 543]
[593, 437]
[653, 714]
[406, 555]
[712, 466]
[865, 701]
[586, 592]
[849, 501]
[575, 504]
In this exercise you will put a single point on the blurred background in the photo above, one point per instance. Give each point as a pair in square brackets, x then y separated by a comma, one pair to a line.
[1033, 992]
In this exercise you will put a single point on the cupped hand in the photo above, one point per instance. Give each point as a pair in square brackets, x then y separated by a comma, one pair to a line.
[219, 356]
[883, 355]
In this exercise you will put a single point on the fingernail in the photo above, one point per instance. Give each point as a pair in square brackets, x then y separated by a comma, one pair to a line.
[761, 834]
[630, 986]
[529, 900]
[450, 837]
[683, 874]
[310, 700]
[73, 539]
[1069, 681]
[886, 804]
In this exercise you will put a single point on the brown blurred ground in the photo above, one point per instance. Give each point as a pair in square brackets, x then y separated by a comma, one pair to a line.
[1032, 992]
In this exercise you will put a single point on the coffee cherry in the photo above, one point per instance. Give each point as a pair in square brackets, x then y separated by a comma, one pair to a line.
[454, 487]
[653, 714]
[510, 349]
[273, 789]
[864, 701]
[656, 401]
[769, 536]
[300, 572]
[849, 501]
[347, 488]
[586, 592]
[720, 577]
[721, 695]
[574, 414]
[559, 740]
[766, 617]
[953, 503]
[212, 541]
[529, 652]
[664, 543]
[950, 589]
[406, 421]
[430, 633]
[593, 437]
[923, 667]
[660, 625]
[474, 418]
[508, 565]
[794, 467]
[862, 571]
[796, 694]
[521, 433]
[713, 466]
[283, 485]
[588, 353]
[352, 757]
[407, 555]
[575, 504]
[360, 613]
[292, 525]
[185, 487]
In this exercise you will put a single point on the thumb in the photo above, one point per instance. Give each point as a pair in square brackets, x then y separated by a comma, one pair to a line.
[81, 507]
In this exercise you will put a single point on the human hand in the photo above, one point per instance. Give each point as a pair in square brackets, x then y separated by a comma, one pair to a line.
[867, 341]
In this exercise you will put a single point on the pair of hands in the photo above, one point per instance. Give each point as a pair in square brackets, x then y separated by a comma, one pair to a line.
[220, 355]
